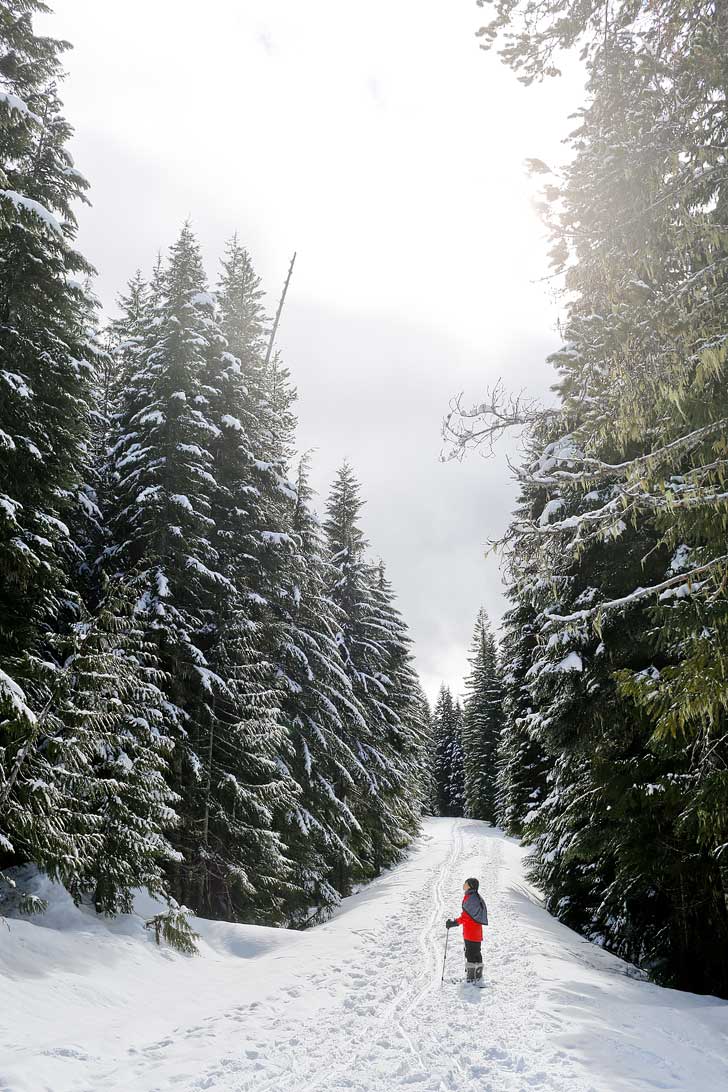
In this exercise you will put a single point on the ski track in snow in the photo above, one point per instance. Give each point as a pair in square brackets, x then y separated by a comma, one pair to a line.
[357, 1005]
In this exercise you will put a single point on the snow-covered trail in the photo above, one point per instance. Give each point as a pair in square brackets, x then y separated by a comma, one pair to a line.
[356, 1004]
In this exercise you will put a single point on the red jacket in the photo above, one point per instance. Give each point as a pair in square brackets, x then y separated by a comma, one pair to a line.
[472, 930]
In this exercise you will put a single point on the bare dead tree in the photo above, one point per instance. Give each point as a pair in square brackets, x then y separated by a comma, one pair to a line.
[278, 312]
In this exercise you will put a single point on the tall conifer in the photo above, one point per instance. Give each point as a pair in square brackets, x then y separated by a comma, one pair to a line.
[482, 722]
[374, 648]
[47, 367]
[449, 767]
[170, 490]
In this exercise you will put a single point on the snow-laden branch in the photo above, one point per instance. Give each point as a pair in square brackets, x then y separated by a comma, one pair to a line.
[685, 578]
[594, 469]
[621, 506]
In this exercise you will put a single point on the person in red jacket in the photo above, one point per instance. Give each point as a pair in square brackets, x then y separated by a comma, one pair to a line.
[473, 917]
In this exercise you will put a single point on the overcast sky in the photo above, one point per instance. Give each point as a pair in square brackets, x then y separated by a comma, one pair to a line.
[380, 142]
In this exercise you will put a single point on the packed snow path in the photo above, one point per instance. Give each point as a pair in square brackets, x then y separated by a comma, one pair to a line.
[355, 1005]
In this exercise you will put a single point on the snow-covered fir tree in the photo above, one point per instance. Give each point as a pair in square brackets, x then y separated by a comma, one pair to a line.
[323, 720]
[522, 764]
[175, 476]
[254, 515]
[126, 335]
[85, 797]
[400, 708]
[449, 766]
[583, 826]
[375, 650]
[520, 760]
[112, 701]
[482, 722]
[456, 780]
[626, 554]
[430, 804]
[440, 713]
[48, 365]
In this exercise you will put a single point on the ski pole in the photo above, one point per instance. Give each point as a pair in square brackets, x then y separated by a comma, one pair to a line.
[447, 937]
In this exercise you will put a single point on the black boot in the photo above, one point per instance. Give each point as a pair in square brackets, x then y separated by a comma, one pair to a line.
[470, 971]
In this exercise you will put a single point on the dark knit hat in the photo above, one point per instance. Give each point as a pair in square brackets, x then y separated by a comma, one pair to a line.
[472, 883]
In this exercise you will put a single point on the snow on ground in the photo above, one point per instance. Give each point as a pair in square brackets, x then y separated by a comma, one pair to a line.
[355, 1005]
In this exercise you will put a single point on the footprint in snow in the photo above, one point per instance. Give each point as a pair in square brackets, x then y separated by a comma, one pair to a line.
[537, 1078]
[497, 1054]
[67, 1052]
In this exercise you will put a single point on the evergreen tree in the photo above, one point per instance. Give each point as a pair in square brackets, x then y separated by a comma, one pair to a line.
[115, 704]
[323, 719]
[374, 648]
[126, 335]
[428, 758]
[243, 316]
[253, 513]
[123, 340]
[521, 763]
[441, 717]
[400, 708]
[606, 800]
[648, 292]
[236, 863]
[255, 503]
[456, 763]
[625, 556]
[48, 364]
[449, 765]
[482, 722]
[170, 489]
[268, 419]
[85, 797]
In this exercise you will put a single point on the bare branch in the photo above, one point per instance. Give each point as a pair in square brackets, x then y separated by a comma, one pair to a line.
[484, 423]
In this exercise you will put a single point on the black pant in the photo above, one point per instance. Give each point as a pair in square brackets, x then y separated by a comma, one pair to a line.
[473, 953]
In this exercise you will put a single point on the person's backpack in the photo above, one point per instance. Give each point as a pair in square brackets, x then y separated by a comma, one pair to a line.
[475, 906]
